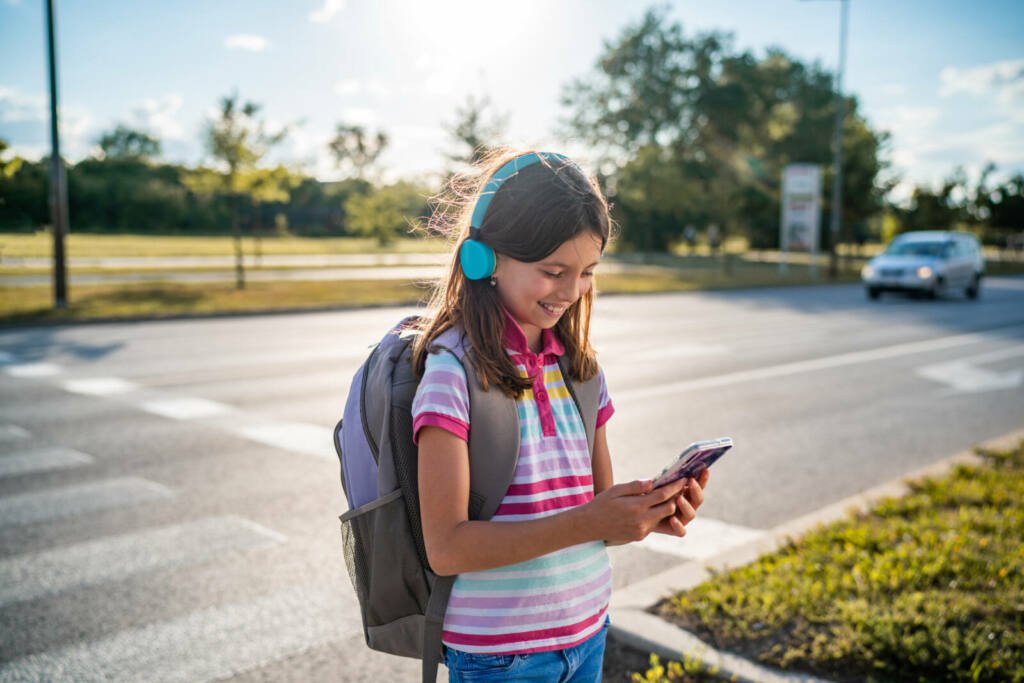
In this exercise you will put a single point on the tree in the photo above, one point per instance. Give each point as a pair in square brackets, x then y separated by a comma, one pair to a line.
[718, 125]
[384, 212]
[354, 152]
[264, 185]
[126, 143]
[472, 132]
[239, 141]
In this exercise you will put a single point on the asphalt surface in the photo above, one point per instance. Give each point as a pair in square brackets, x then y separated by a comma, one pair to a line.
[168, 492]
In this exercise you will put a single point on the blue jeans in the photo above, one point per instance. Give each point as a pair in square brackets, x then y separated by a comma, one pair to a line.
[579, 664]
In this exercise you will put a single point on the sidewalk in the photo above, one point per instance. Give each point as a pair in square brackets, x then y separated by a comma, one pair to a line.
[291, 268]
[633, 625]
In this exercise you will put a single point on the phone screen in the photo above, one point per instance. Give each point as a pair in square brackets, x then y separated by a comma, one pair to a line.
[691, 462]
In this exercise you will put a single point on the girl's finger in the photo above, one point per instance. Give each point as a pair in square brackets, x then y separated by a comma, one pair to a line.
[677, 527]
[685, 512]
[702, 479]
[695, 495]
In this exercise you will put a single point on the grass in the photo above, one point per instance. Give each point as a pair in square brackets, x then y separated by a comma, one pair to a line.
[929, 587]
[35, 304]
[40, 245]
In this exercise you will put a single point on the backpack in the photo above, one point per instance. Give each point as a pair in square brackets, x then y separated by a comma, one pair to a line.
[401, 600]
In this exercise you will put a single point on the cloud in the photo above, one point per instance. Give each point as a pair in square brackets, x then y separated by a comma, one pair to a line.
[373, 86]
[246, 41]
[1004, 80]
[16, 107]
[160, 115]
[348, 87]
[327, 12]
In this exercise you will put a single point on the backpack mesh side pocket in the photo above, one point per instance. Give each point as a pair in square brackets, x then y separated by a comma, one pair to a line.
[389, 580]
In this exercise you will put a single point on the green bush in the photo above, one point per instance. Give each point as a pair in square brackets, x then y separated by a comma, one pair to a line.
[929, 587]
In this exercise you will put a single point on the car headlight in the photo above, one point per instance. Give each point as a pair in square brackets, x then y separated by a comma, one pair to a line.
[867, 272]
[924, 272]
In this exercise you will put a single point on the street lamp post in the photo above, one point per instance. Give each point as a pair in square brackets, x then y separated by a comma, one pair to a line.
[837, 172]
[58, 179]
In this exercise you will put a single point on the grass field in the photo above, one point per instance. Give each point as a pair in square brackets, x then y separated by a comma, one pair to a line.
[40, 245]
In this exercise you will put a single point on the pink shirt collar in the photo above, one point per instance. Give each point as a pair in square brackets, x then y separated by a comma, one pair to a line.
[515, 339]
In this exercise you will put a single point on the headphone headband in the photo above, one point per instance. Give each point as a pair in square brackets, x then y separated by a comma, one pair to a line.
[478, 259]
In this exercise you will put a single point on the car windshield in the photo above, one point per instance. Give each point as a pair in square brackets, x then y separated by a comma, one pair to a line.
[937, 249]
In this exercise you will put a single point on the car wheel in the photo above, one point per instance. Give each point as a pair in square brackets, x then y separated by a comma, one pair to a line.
[934, 291]
[873, 293]
[975, 286]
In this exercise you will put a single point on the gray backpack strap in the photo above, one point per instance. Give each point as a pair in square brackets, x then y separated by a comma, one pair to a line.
[492, 461]
[433, 627]
[586, 396]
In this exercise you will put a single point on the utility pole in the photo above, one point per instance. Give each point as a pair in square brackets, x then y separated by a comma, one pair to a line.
[837, 171]
[58, 178]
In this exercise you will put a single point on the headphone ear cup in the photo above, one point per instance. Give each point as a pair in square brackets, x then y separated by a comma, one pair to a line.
[477, 259]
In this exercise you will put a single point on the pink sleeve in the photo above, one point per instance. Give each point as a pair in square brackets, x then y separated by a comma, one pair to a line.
[605, 409]
[442, 398]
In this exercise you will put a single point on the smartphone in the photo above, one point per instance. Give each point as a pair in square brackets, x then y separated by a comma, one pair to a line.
[695, 459]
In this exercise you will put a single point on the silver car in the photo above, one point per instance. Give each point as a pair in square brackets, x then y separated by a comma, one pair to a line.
[929, 262]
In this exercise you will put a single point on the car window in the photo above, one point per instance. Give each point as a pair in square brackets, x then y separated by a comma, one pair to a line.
[908, 248]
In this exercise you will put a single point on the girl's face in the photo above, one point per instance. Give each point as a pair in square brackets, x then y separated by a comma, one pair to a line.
[537, 294]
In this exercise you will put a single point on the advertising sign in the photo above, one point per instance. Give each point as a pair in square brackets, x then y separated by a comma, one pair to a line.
[801, 208]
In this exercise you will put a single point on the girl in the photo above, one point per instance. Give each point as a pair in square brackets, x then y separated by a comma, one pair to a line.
[533, 584]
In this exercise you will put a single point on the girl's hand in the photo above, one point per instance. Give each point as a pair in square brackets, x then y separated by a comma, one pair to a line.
[628, 512]
[686, 506]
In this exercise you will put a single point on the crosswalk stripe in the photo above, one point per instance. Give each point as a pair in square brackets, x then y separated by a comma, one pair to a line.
[32, 370]
[41, 460]
[41, 506]
[185, 408]
[100, 386]
[28, 577]
[292, 436]
[206, 645]
[13, 433]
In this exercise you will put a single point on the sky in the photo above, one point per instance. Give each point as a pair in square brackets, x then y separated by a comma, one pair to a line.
[945, 78]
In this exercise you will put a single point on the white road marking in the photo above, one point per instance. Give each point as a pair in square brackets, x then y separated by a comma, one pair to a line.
[100, 386]
[681, 350]
[185, 408]
[13, 433]
[292, 436]
[704, 538]
[829, 362]
[32, 576]
[41, 460]
[69, 501]
[32, 370]
[207, 645]
[964, 375]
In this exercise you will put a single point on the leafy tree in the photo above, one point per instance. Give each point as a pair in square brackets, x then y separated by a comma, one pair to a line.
[239, 141]
[473, 131]
[354, 151]
[385, 212]
[718, 125]
[127, 143]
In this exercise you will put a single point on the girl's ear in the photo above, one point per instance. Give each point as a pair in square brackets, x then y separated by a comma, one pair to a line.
[499, 260]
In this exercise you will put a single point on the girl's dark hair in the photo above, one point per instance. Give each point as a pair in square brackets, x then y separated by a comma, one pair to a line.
[531, 215]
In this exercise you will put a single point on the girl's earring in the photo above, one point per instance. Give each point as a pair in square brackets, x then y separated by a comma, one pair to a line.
[494, 282]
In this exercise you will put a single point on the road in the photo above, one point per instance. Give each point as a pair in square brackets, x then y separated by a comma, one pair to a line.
[168, 492]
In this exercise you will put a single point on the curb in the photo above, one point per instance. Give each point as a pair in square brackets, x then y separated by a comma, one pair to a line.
[632, 624]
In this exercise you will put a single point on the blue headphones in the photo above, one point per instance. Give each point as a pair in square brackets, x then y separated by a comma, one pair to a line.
[477, 258]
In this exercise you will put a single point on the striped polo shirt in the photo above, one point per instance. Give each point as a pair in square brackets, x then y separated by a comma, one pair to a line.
[550, 602]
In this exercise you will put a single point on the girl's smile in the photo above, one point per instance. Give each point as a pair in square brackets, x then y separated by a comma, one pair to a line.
[537, 294]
